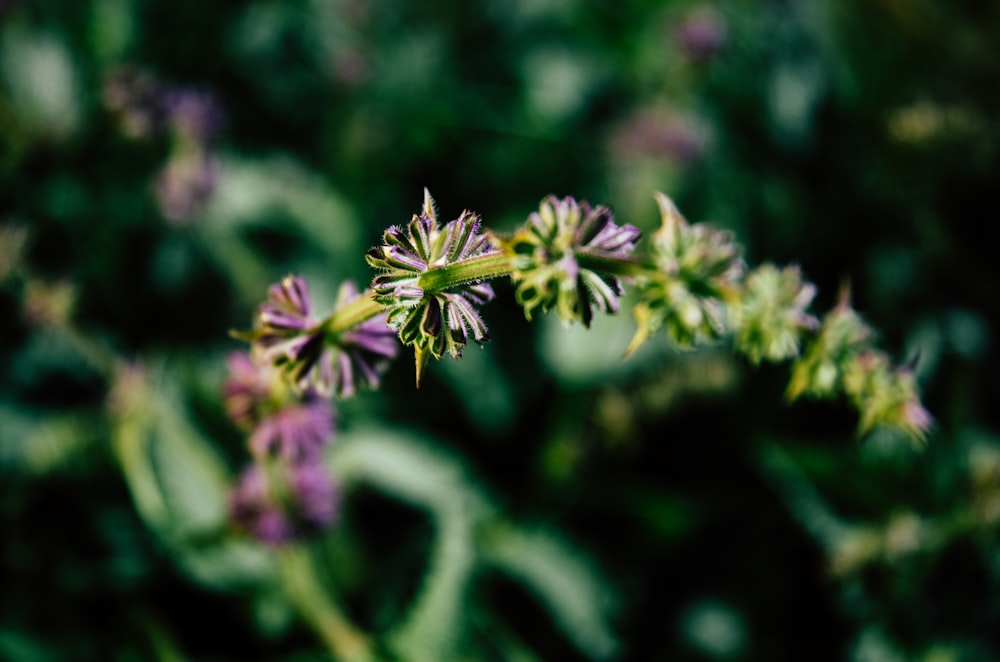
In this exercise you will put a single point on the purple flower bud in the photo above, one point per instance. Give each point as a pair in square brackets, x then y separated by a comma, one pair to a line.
[661, 133]
[194, 115]
[701, 33]
[247, 387]
[296, 432]
[186, 184]
[365, 351]
[279, 504]
[434, 322]
[546, 254]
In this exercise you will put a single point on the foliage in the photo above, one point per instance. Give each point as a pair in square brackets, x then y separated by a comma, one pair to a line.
[162, 164]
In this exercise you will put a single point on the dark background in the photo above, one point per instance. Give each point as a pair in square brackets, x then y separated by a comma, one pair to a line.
[858, 139]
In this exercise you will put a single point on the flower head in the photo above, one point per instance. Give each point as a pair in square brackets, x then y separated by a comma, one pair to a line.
[312, 356]
[885, 395]
[365, 350]
[433, 318]
[280, 503]
[697, 276]
[296, 432]
[771, 316]
[701, 34]
[841, 338]
[186, 184]
[194, 115]
[293, 426]
[287, 335]
[554, 254]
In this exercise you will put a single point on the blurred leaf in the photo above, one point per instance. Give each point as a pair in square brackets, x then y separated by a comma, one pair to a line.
[18, 647]
[178, 482]
[580, 603]
[409, 469]
[38, 442]
[41, 77]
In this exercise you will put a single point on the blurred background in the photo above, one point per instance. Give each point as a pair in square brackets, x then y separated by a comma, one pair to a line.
[162, 162]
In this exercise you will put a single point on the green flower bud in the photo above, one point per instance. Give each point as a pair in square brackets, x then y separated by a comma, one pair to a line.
[696, 276]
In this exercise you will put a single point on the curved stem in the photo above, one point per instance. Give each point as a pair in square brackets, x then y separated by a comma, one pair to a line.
[304, 588]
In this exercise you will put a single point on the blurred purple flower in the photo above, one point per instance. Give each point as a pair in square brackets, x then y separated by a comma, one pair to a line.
[661, 133]
[186, 184]
[193, 114]
[701, 33]
[288, 337]
[546, 255]
[365, 351]
[295, 432]
[246, 388]
[283, 503]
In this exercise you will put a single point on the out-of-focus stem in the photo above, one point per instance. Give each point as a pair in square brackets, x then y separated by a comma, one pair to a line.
[305, 589]
[350, 315]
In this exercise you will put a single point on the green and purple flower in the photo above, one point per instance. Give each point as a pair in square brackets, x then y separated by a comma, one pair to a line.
[770, 318]
[565, 258]
[311, 355]
[281, 503]
[694, 278]
[430, 304]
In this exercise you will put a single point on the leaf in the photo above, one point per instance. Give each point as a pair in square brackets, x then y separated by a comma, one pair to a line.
[559, 575]
[409, 469]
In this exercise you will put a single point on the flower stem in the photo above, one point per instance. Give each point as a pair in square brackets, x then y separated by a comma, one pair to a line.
[482, 267]
[304, 588]
[626, 267]
[350, 315]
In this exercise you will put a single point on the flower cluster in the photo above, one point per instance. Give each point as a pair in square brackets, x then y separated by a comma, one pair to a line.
[841, 359]
[428, 309]
[312, 355]
[770, 318]
[564, 256]
[569, 257]
[694, 279]
[286, 494]
[284, 503]
[841, 338]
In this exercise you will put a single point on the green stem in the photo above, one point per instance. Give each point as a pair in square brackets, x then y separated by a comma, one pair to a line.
[626, 267]
[482, 267]
[350, 315]
[304, 588]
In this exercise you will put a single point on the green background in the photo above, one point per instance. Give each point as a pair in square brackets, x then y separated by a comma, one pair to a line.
[667, 507]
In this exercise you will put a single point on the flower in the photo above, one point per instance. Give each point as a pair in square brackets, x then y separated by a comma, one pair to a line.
[885, 395]
[186, 184]
[696, 276]
[433, 319]
[281, 422]
[312, 356]
[841, 338]
[771, 315]
[281, 503]
[287, 336]
[247, 388]
[194, 115]
[554, 258]
[365, 350]
[701, 34]
[136, 98]
[296, 432]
